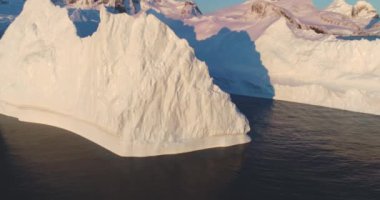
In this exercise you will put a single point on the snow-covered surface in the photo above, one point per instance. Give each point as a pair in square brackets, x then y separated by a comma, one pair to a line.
[93, 3]
[256, 16]
[328, 72]
[362, 12]
[287, 50]
[133, 87]
[172, 8]
[341, 6]
[363, 9]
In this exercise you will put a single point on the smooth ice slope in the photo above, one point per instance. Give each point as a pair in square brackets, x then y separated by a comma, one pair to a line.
[132, 87]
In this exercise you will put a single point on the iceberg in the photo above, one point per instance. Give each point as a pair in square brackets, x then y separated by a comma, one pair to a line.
[132, 86]
[327, 72]
[288, 50]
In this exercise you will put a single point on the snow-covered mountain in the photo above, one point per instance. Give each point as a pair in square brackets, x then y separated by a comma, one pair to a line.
[256, 15]
[173, 8]
[342, 7]
[362, 12]
[133, 87]
[253, 16]
[94, 3]
[363, 9]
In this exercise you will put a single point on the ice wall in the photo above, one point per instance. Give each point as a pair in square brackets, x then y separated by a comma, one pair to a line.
[132, 87]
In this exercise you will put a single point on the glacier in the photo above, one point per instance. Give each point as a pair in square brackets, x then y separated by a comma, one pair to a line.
[132, 86]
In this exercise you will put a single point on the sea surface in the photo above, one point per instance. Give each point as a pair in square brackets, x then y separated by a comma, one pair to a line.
[297, 152]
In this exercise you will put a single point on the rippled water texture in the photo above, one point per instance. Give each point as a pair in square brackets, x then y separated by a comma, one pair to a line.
[297, 152]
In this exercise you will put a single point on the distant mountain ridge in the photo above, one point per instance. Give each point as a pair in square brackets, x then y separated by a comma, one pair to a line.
[187, 8]
[362, 9]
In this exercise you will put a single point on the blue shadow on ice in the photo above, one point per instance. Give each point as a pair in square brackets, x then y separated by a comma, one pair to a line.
[372, 23]
[231, 56]
[9, 9]
[85, 21]
[3, 27]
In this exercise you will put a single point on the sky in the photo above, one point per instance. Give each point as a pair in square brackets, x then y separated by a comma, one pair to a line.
[212, 5]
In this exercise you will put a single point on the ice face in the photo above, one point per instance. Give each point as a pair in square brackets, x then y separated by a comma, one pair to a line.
[132, 87]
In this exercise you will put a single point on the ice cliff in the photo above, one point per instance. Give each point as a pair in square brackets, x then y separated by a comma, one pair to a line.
[132, 87]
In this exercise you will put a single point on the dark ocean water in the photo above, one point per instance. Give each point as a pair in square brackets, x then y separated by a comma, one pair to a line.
[298, 152]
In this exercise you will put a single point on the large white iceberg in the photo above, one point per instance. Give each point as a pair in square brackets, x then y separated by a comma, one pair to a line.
[327, 72]
[132, 87]
[288, 50]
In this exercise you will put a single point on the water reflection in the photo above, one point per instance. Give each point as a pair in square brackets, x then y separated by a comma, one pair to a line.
[65, 166]
[307, 152]
[298, 152]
